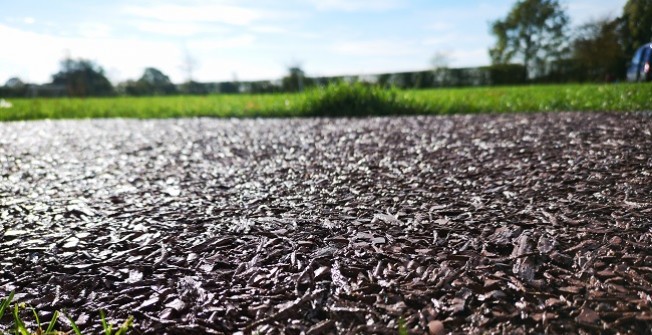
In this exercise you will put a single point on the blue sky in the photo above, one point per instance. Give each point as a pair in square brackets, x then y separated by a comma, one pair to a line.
[253, 39]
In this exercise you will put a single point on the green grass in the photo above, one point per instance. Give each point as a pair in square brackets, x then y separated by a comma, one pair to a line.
[402, 328]
[346, 100]
[538, 98]
[21, 329]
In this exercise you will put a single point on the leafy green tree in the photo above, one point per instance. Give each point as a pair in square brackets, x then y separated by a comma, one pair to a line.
[158, 82]
[129, 87]
[82, 78]
[295, 80]
[597, 50]
[14, 87]
[534, 31]
[154, 82]
[14, 82]
[637, 24]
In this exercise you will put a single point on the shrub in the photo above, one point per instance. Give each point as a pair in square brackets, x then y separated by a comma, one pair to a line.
[356, 100]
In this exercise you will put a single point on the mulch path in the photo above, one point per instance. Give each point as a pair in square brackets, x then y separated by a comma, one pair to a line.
[517, 223]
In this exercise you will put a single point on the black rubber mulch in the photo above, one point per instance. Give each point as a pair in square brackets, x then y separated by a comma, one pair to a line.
[524, 223]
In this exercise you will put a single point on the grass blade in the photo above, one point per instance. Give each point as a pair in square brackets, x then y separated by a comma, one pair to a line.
[53, 322]
[402, 329]
[38, 321]
[18, 323]
[108, 329]
[125, 326]
[74, 326]
[5, 303]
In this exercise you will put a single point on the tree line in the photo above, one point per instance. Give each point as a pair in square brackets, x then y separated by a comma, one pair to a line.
[534, 43]
[537, 34]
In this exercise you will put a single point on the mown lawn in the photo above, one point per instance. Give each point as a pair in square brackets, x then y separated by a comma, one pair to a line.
[345, 100]
[538, 98]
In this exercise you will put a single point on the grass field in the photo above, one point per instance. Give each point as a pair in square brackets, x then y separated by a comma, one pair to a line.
[345, 100]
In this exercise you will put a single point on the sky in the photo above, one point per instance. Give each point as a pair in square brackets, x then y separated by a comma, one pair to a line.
[224, 40]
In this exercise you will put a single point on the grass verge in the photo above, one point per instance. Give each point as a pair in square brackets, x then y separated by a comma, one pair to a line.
[20, 327]
[346, 100]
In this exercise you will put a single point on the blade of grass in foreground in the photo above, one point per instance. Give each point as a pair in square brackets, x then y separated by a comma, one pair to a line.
[108, 329]
[38, 321]
[5, 303]
[18, 323]
[53, 322]
[402, 329]
[125, 326]
[74, 326]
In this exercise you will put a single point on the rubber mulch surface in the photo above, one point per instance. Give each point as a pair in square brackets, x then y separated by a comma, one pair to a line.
[520, 223]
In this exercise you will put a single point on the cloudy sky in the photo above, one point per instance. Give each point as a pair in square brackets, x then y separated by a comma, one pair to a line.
[253, 39]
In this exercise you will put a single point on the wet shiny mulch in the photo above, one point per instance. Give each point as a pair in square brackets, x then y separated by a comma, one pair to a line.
[523, 223]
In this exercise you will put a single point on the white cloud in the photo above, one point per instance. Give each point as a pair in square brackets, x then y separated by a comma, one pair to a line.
[24, 55]
[582, 11]
[267, 29]
[441, 39]
[375, 48]
[29, 20]
[440, 26]
[282, 32]
[214, 44]
[469, 57]
[217, 13]
[242, 68]
[355, 5]
[94, 30]
[183, 29]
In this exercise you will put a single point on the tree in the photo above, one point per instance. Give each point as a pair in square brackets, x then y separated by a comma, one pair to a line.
[296, 79]
[637, 24]
[14, 83]
[152, 82]
[14, 87]
[598, 52]
[156, 83]
[82, 78]
[440, 60]
[534, 31]
[439, 64]
[129, 87]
